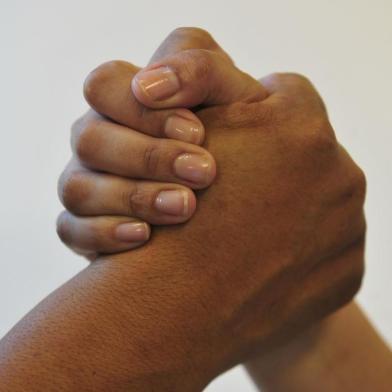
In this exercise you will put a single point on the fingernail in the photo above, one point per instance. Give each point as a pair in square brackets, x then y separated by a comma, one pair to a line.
[159, 83]
[173, 202]
[180, 128]
[193, 167]
[132, 232]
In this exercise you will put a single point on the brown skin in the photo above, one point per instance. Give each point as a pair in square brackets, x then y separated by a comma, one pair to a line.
[334, 351]
[201, 297]
[325, 351]
[88, 193]
[343, 353]
[340, 224]
[115, 169]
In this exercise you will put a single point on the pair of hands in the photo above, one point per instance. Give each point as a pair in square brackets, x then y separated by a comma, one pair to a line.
[277, 241]
[178, 167]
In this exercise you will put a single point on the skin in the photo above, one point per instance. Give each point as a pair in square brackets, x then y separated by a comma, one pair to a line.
[80, 226]
[335, 351]
[173, 293]
[343, 353]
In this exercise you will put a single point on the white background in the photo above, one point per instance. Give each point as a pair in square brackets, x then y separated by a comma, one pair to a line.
[47, 48]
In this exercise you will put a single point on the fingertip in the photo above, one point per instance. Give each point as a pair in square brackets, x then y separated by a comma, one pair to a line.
[178, 204]
[133, 232]
[153, 86]
[140, 93]
[185, 126]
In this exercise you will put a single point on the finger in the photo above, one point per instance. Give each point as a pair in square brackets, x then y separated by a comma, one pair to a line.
[106, 234]
[184, 38]
[194, 77]
[87, 193]
[102, 145]
[107, 90]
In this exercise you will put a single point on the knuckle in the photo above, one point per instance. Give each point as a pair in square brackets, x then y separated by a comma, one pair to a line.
[300, 93]
[289, 103]
[317, 145]
[323, 142]
[360, 184]
[77, 125]
[134, 200]
[152, 159]
[87, 140]
[73, 190]
[192, 32]
[63, 228]
[197, 66]
[356, 186]
[288, 78]
[319, 136]
[76, 128]
[96, 79]
[296, 78]
[276, 77]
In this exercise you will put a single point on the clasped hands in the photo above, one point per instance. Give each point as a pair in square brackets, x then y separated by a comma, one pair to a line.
[274, 231]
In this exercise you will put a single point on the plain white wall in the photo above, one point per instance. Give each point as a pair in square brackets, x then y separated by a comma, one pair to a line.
[47, 48]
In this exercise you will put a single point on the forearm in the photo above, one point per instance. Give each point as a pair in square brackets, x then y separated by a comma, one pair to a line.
[343, 353]
[107, 329]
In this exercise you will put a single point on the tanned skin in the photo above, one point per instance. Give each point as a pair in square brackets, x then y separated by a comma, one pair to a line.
[201, 297]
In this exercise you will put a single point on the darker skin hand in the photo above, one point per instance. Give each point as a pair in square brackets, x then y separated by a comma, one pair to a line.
[286, 207]
[292, 202]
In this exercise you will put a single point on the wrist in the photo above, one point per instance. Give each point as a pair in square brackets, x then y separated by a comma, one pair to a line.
[117, 325]
[333, 355]
[172, 331]
[290, 364]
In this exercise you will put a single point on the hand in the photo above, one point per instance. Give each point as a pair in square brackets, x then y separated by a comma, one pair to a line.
[153, 185]
[292, 203]
[108, 214]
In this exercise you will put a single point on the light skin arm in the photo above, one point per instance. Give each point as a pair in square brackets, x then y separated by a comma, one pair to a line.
[343, 353]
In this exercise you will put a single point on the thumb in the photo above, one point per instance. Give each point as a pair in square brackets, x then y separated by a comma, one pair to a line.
[193, 77]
